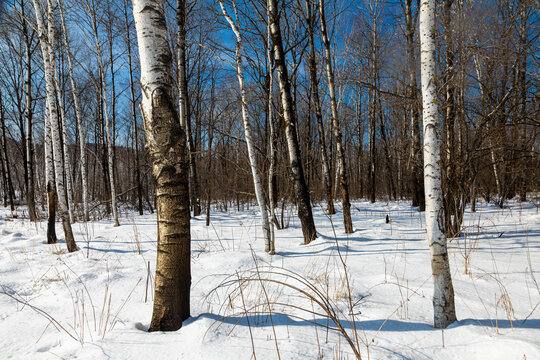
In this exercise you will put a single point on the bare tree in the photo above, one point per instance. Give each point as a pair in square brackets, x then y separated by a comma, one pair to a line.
[269, 245]
[138, 182]
[166, 142]
[289, 115]
[49, 63]
[108, 124]
[443, 293]
[78, 115]
[342, 167]
[415, 157]
[183, 102]
[312, 64]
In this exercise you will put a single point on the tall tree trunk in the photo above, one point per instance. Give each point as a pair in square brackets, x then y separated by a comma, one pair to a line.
[415, 156]
[211, 124]
[112, 124]
[166, 141]
[342, 168]
[443, 291]
[29, 173]
[373, 115]
[183, 100]
[8, 185]
[327, 178]
[451, 195]
[360, 136]
[49, 65]
[295, 162]
[2, 162]
[133, 115]
[108, 126]
[65, 150]
[49, 179]
[522, 81]
[272, 178]
[78, 116]
[269, 246]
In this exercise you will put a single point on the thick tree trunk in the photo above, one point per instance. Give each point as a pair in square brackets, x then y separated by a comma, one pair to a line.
[166, 142]
[327, 178]
[342, 168]
[443, 292]
[295, 162]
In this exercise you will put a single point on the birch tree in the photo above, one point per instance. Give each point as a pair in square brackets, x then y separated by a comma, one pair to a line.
[133, 112]
[29, 168]
[49, 179]
[289, 115]
[66, 163]
[46, 40]
[78, 114]
[108, 125]
[269, 245]
[342, 168]
[272, 148]
[312, 65]
[166, 143]
[443, 291]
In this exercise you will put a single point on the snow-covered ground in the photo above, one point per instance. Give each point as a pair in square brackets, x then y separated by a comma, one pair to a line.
[97, 302]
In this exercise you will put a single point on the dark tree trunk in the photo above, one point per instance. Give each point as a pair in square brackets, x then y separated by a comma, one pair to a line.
[135, 140]
[295, 162]
[342, 171]
[327, 178]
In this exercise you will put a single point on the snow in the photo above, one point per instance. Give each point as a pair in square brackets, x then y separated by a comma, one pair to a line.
[91, 304]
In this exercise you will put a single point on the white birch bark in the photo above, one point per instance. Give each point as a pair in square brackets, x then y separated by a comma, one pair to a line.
[301, 190]
[78, 115]
[66, 157]
[108, 128]
[443, 291]
[247, 130]
[49, 66]
[272, 147]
